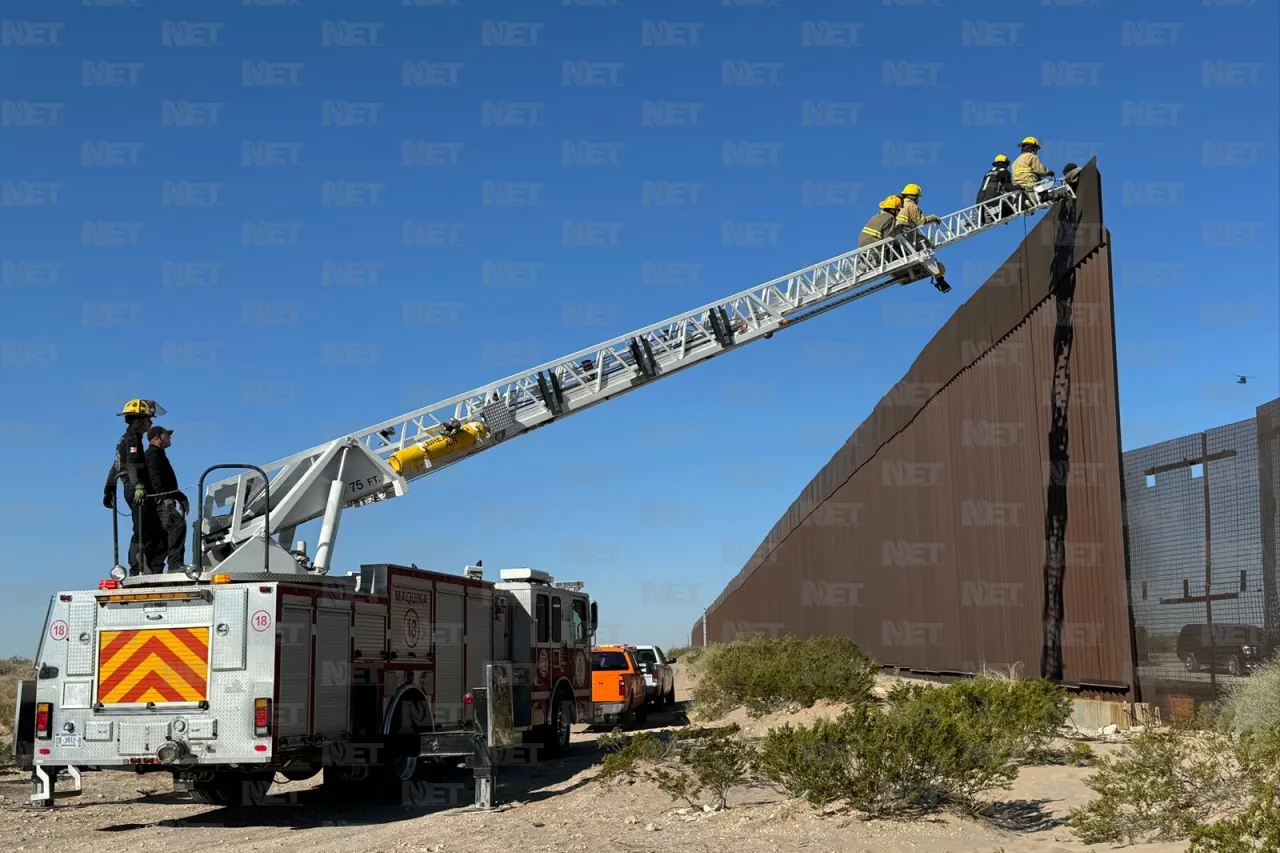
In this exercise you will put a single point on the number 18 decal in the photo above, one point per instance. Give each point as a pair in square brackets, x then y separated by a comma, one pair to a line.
[261, 620]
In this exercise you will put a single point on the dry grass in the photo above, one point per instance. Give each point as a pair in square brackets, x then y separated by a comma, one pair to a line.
[12, 671]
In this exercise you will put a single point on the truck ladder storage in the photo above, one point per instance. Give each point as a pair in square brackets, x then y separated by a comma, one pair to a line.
[376, 463]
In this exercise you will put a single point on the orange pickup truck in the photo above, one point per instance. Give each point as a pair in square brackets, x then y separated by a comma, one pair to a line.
[617, 686]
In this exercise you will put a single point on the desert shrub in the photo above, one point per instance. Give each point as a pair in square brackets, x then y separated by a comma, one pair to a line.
[1255, 826]
[710, 761]
[1164, 785]
[766, 675]
[929, 747]
[812, 763]
[623, 751]
[1253, 703]
[1026, 714]
[1079, 754]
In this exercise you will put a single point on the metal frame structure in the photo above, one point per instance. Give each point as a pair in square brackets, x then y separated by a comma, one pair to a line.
[354, 470]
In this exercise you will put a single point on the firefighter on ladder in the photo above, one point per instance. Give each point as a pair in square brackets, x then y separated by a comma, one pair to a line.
[909, 219]
[996, 183]
[878, 227]
[1028, 170]
[130, 469]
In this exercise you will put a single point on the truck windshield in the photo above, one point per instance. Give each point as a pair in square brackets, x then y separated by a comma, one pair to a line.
[646, 656]
[609, 661]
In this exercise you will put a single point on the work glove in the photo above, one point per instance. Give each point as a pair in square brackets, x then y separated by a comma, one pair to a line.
[139, 495]
[109, 497]
[930, 219]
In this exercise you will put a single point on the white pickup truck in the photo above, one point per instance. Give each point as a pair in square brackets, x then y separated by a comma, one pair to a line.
[659, 678]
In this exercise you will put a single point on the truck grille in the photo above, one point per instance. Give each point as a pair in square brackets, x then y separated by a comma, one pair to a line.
[153, 665]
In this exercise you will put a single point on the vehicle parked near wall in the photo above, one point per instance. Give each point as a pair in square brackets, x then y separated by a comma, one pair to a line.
[659, 677]
[617, 686]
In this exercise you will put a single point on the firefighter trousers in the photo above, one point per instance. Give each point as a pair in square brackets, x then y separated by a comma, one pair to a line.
[148, 539]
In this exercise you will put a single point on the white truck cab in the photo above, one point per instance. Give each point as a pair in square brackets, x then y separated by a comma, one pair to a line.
[659, 677]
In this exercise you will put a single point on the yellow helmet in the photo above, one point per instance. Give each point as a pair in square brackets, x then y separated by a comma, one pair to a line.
[911, 189]
[891, 203]
[1000, 158]
[143, 408]
[1030, 140]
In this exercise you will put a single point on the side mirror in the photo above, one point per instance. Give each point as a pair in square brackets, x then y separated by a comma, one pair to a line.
[595, 617]
[672, 660]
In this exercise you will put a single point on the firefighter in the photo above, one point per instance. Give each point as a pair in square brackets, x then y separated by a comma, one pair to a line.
[1028, 169]
[130, 469]
[883, 224]
[910, 216]
[171, 504]
[995, 183]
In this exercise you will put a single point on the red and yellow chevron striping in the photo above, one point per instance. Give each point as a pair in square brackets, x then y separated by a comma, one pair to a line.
[153, 665]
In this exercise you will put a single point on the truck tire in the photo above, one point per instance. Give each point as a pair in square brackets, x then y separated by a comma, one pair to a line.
[555, 741]
[671, 696]
[389, 778]
[232, 790]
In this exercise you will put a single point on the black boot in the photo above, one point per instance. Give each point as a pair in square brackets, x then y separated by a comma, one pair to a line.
[941, 284]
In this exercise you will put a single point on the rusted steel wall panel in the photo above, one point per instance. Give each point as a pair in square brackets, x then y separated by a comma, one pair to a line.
[924, 538]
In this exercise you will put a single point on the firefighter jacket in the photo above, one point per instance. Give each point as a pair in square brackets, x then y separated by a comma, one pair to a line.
[160, 472]
[1028, 169]
[130, 464]
[910, 216]
[995, 183]
[878, 227]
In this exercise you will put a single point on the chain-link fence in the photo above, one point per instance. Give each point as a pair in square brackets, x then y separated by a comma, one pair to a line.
[1201, 520]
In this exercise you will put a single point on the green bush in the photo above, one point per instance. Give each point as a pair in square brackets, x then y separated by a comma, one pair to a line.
[1253, 703]
[1079, 754]
[930, 746]
[812, 763]
[1164, 785]
[1256, 825]
[709, 760]
[766, 675]
[623, 751]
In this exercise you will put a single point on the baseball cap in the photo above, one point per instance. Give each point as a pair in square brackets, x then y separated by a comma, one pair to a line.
[158, 431]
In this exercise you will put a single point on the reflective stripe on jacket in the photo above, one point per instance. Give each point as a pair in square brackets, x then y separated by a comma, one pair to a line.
[1028, 169]
[910, 216]
[877, 228]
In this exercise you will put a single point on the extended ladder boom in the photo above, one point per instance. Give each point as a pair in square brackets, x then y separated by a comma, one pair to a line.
[376, 463]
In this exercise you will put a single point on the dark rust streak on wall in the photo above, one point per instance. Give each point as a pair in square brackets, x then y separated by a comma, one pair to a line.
[924, 537]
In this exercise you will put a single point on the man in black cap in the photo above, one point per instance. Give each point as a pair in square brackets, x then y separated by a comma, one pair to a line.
[172, 504]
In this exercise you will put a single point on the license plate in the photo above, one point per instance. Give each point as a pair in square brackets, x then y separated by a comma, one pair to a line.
[66, 741]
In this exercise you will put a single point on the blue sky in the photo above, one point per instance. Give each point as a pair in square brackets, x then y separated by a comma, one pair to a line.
[147, 129]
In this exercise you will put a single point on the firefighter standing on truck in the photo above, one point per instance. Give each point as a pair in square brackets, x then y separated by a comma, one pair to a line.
[1027, 169]
[171, 504]
[130, 469]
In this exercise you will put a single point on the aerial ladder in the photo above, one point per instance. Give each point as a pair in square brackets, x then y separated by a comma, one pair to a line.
[265, 505]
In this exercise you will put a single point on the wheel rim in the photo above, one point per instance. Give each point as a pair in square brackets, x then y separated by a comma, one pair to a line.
[1190, 663]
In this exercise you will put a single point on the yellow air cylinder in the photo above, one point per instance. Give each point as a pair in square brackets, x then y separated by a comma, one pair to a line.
[415, 456]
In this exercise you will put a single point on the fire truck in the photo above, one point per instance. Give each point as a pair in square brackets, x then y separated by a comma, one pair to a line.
[256, 660]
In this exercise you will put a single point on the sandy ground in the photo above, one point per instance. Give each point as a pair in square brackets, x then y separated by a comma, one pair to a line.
[555, 806]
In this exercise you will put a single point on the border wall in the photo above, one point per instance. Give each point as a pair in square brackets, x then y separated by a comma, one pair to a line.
[1201, 624]
[975, 518]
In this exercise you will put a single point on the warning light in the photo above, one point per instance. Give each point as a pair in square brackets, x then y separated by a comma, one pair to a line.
[108, 584]
[44, 720]
[261, 717]
[220, 579]
[466, 699]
